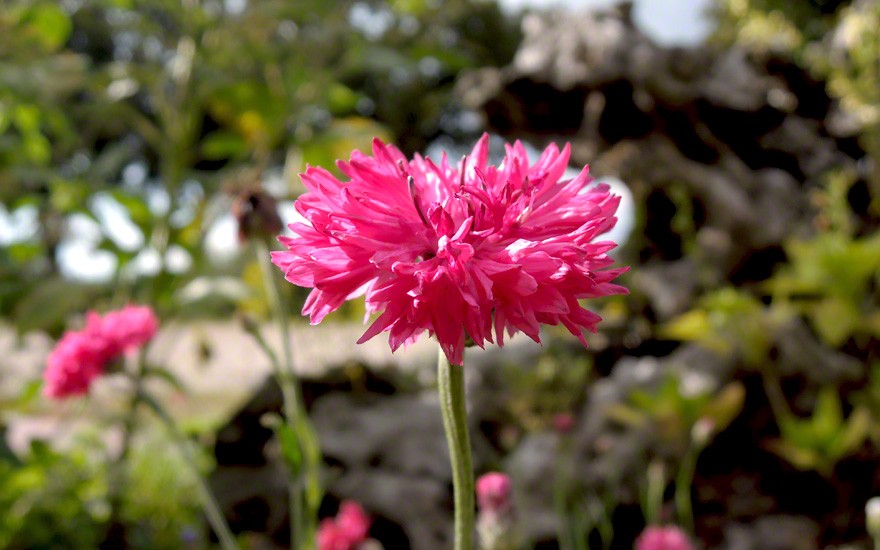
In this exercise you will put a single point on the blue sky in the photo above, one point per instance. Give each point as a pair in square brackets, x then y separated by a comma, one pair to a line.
[669, 22]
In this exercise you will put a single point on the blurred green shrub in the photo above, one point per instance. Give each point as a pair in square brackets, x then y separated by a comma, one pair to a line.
[820, 441]
[556, 384]
[52, 500]
[670, 412]
[59, 499]
[728, 320]
[161, 500]
[830, 280]
[836, 40]
[155, 109]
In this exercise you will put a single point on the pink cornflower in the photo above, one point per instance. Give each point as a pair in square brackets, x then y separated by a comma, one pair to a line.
[350, 528]
[81, 356]
[670, 537]
[130, 327]
[466, 250]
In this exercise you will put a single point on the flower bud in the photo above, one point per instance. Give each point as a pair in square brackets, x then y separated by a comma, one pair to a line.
[563, 423]
[257, 214]
[702, 430]
[347, 531]
[655, 537]
[493, 492]
[496, 525]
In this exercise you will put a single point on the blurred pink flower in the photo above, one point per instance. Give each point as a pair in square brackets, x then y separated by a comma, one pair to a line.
[563, 423]
[350, 528]
[455, 250]
[493, 492]
[81, 356]
[131, 327]
[655, 537]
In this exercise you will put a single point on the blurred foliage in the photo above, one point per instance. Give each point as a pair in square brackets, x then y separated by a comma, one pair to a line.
[671, 411]
[59, 499]
[869, 398]
[555, 385]
[162, 505]
[838, 40]
[727, 320]
[124, 123]
[773, 24]
[52, 500]
[823, 439]
[831, 280]
[127, 126]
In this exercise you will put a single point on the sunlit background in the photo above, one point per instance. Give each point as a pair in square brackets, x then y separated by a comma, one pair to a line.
[734, 393]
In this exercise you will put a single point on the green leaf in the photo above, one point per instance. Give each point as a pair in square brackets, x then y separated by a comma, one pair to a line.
[341, 99]
[49, 304]
[853, 434]
[726, 405]
[410, 7]
[29, 393]
[137, 209]
[290, 447]
[625, 415]
[167, 376]
[797, 432]
[338, 141]
[835, 319]
[26, 118]
[223, 144]
[24, 251]
[828, 415]
[643, 400]
[50, 24]
[799, 457]
[691, 326]
[68, 196]
[872, 324]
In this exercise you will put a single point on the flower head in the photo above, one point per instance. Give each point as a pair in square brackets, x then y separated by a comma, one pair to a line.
[350, 528]
[663, 538]
[493, 492]
[466, 250]
[81, 356]
[130, 327]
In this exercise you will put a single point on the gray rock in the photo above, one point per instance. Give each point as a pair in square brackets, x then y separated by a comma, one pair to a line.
[773, 533]
[669, 287]
[533, 464]
[800, 352]
[602, 458]
[742, 135]
[735, 83]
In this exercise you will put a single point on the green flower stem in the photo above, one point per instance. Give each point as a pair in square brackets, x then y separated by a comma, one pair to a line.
[304, 487]
[450, 381]
[212, 509]
[116, 535]
[654, 492]
[683, 481]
